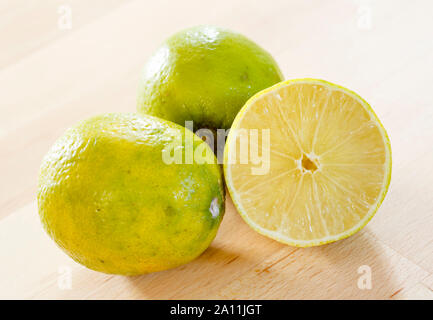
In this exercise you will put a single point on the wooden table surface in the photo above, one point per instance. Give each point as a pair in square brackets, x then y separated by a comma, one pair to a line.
[63, 61]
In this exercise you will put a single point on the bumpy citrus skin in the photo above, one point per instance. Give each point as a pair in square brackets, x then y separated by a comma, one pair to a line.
[204, 74]
[108, 199]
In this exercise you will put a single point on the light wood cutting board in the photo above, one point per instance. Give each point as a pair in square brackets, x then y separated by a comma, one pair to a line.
[63, 61]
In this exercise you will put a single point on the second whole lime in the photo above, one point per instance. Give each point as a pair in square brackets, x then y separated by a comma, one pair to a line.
[204, 74]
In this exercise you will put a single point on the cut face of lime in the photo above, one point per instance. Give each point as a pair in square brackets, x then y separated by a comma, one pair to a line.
[329, 163]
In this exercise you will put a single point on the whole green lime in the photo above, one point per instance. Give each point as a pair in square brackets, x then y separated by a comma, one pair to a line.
[112, 199]
[204, 74]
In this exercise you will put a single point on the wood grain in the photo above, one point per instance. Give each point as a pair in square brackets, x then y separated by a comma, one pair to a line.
[51, 78]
